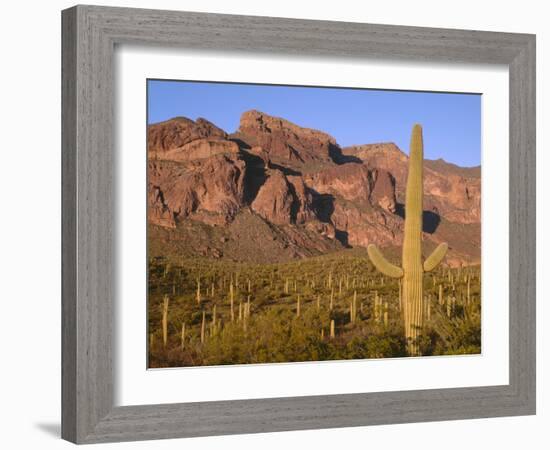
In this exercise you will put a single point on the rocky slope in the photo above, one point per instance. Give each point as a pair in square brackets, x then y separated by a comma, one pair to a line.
[274, 191]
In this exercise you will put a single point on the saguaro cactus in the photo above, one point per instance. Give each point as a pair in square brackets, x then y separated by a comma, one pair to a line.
[183, 335]
[203, 326]
[231, 301]
[412, 267]
[165, 303]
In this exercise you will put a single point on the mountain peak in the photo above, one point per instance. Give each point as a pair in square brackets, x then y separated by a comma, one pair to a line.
[258, 120]
[446, 168]
[285, 143]
[382, 150]
[297, 185]
[179, 131]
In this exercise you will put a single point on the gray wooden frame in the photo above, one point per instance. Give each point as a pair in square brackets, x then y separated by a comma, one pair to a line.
[89, 37]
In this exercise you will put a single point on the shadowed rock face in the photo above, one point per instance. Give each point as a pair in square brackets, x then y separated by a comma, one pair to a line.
[383, 191]
[451, 191]
[351, 182]
[274, 200]
[284, 200]
[312, 195]
[158, 211]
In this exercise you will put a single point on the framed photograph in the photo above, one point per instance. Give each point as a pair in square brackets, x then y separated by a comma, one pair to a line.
[278, 224]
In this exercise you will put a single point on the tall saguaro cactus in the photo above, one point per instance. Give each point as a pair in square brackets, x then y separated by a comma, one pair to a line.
[412, 269]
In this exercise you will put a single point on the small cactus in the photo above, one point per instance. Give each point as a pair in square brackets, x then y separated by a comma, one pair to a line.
[376, 307]
[400, 296]
[354, 307]
[231, 301]
[198, 295]
[183, 335]
[165, 302]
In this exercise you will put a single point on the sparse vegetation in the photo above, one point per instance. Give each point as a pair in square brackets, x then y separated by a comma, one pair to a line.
[329, 307]
[257, 239]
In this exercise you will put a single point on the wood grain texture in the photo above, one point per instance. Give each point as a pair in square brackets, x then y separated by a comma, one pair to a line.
[89, 37]
[68, 225]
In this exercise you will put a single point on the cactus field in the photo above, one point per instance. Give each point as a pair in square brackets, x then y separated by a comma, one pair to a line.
[331, 307]
[292, 224]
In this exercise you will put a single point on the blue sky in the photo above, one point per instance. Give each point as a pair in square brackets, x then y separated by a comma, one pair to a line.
[451, 122]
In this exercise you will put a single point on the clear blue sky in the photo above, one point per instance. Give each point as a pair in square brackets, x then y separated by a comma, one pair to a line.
[451, 122]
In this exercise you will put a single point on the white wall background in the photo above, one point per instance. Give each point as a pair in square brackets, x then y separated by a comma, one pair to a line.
[31, 208]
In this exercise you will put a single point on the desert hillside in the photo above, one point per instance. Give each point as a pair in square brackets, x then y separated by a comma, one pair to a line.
[275, 192]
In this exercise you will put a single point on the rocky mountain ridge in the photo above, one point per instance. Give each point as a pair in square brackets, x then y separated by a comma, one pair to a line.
[298, 189]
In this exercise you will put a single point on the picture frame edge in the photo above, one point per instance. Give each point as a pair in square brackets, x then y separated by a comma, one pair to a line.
[89, 34]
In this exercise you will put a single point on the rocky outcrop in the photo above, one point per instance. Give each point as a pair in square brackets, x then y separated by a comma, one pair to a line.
[198, 149]
[385, 156]
[158, 212]
[285, 143]
[211, 190]
[442, 166]
[452, 191]
[456, 198]
[325, 229]
[303, 193]
[383, 190]
[363, 226]
[302, 205]
[194, 171]
[356, 183]
[183, 140]
[275, 200]
[175, 133]
[348, 181]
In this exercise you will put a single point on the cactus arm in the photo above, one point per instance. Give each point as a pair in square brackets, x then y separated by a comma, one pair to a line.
[382, 264]
[436, 257]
